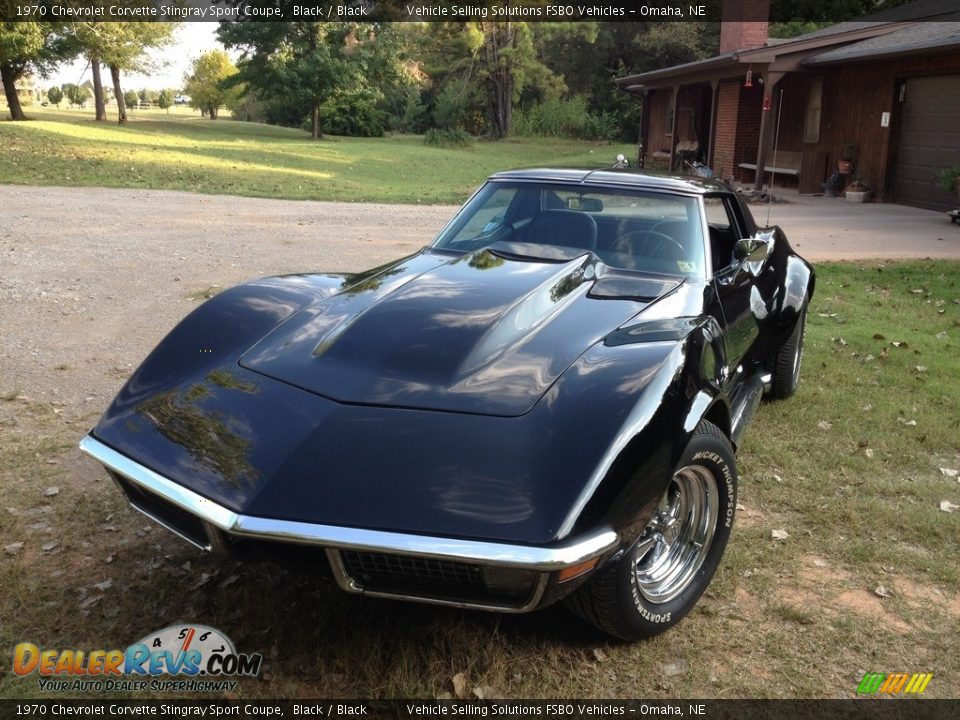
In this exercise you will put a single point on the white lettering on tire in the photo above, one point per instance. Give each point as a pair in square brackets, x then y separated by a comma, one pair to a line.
[727, 478]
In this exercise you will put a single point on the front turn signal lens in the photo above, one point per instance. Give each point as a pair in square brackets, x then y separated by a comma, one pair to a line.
[575, 571]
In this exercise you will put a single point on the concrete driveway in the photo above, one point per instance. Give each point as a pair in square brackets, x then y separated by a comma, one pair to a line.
[822, 228]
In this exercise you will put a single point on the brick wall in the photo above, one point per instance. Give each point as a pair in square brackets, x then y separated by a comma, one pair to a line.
[748, 124]
[744, 24]
[725, 142]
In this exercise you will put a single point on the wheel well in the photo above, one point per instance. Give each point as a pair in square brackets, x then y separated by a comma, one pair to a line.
[719, 415]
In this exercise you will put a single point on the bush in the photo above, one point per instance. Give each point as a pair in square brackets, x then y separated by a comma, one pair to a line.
[448, 138]
[565, 118]
[456, 106]
[354, 114]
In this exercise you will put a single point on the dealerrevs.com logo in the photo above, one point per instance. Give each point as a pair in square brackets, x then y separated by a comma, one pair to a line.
[875, 683]
[178, 658]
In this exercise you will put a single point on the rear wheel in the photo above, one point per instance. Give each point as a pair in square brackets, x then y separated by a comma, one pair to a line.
[659, 579]
[786, 361]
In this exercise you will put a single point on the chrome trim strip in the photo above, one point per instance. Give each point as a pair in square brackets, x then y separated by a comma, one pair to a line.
[545, 559]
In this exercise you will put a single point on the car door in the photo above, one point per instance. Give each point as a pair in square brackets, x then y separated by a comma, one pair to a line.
[739, 305]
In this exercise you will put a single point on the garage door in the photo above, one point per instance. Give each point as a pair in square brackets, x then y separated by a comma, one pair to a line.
[929, 141]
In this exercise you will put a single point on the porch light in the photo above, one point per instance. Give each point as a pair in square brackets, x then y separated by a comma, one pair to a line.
[748, 83]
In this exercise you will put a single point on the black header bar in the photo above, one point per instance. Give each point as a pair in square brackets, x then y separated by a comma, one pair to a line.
[459, 11]
[199, 707]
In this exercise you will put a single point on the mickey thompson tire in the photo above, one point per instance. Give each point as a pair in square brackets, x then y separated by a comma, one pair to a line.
[662, 575]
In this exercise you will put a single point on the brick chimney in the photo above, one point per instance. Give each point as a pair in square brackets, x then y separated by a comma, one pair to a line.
[743, 24]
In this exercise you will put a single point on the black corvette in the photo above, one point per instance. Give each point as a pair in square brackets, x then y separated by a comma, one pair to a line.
[543, 404]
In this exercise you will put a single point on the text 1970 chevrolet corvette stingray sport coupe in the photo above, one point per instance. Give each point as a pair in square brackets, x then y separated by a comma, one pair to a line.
[542, 404]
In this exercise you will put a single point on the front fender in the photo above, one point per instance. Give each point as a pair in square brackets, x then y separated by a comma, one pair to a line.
[663, 413]
[217, 332]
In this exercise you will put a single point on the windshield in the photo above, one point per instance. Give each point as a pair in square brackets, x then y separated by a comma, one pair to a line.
[628, 229]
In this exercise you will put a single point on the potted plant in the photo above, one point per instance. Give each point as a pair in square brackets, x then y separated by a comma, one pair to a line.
[949, 179]
[848, 152]
[858, 191]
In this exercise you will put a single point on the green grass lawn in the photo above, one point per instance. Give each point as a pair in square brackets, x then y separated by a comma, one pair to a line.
[175, 152]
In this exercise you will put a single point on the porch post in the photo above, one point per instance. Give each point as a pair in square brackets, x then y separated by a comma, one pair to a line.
[673, 129]
[643, 142]
[712, 132]
[766, 125]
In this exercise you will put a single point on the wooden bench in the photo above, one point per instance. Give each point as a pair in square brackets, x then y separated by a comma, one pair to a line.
[788, 163]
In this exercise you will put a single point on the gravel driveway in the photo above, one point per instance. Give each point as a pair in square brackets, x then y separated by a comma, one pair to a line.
[92, 278]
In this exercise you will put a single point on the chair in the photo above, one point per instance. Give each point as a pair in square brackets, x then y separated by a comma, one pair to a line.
[569, 228]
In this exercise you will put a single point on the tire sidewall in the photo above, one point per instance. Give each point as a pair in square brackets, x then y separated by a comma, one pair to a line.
[789, 360]
[796, 356]
[713, 453]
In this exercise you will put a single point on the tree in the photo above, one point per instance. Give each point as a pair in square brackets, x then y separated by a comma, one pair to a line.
[501, 60]
[129, 99]
[25, 46]
[165, 100]
[76, 94]
[208, 83]
[55, 95]
[295, 64]
[121, 46]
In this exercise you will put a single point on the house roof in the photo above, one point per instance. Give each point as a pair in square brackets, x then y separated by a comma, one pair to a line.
[919, 37]
[921, 26]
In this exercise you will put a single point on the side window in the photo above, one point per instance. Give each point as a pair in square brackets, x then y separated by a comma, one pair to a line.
[725, 228]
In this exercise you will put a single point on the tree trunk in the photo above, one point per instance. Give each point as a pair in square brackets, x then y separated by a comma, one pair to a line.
[213, 111]
[10, 75]
[315, 121]
[98, 89]
[118, 94]
[501, 103]
[499, 39]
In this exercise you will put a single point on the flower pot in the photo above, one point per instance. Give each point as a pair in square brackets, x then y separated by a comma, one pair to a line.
[858, 196]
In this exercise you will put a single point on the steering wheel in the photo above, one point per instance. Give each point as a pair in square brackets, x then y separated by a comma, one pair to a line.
[655, 245]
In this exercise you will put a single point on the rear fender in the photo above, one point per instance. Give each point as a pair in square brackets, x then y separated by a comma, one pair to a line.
[785, 297]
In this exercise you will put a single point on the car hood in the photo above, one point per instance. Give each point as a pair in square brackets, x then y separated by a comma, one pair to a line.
[485, 333]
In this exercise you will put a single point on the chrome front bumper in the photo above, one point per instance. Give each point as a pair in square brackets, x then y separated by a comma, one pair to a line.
[335, 540]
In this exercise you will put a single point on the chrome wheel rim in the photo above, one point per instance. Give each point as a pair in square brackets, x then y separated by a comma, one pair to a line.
[675, 543]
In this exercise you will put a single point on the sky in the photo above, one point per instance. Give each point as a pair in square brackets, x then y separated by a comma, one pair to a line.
[191, 40]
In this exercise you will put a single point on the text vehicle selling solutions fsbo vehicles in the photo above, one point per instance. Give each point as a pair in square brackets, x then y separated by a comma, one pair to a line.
[543, 404]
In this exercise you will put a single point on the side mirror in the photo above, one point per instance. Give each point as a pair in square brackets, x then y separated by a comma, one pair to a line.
[754, 249]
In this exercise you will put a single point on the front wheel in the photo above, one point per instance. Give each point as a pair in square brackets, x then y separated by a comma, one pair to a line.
[659, 579]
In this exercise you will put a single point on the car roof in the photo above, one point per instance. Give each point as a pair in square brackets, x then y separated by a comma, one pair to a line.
[622, 178]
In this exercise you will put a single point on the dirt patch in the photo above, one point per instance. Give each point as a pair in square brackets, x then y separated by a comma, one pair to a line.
[748, 517]
[747, 604]
[924, 597]
[869, 606]
[818, 585]
[817, 571]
